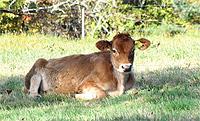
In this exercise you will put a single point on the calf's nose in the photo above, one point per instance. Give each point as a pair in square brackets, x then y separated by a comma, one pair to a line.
[126, 67]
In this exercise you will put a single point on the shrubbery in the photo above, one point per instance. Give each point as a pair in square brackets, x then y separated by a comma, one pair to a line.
[190, 12]
[102, 18]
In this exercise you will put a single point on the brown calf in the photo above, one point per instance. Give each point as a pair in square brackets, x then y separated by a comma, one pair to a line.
[91, 76]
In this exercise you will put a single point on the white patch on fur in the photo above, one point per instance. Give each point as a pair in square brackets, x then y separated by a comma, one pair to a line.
[90, 95]
[86, 96]
[35, 84]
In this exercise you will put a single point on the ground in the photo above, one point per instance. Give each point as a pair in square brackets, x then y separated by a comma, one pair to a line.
[167, 80]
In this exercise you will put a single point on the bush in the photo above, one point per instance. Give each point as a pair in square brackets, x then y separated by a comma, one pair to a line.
[10, 22]
[135, 17]
[102, 18]
[189, 11]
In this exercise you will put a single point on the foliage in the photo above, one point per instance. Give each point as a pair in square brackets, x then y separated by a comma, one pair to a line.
[18, 4]
[3, 4]
[11, 22]
[102, 18]
[188, 11]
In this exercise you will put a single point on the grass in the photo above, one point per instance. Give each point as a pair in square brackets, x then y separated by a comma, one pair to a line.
[167, 81]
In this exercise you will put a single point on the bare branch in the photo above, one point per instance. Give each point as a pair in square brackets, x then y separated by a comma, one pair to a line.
[10, 11]
[98, 23]
[11, 4]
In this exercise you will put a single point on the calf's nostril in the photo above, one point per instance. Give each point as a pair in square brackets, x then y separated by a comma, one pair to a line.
[126, 66]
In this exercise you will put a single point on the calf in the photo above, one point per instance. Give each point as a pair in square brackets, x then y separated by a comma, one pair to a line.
[90, 76]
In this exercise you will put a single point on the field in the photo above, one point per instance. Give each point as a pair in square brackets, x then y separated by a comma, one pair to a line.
[167, 80]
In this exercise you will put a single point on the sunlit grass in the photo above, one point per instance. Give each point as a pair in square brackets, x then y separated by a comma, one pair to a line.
[167, 80]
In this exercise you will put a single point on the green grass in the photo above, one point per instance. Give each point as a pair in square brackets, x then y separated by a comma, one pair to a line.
[167, 81]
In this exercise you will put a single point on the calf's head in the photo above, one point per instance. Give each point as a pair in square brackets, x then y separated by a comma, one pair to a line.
[122, 49]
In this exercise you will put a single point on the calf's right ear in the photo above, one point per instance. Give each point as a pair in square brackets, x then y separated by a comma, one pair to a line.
[104, 45]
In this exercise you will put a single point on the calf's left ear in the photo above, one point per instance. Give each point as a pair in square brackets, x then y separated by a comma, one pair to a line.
[142, 43]
[104, 45]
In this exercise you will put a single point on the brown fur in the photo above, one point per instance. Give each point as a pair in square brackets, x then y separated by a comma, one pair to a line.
[91, 76]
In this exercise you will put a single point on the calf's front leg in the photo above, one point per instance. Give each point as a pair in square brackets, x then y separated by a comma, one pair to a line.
[124, 83]
[120, 90]
[89, 91]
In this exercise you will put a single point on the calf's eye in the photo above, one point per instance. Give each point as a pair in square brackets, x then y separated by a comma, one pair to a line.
[114, 50]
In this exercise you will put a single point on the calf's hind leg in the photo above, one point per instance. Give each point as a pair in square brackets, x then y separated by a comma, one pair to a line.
[35, 83]
[90, 91]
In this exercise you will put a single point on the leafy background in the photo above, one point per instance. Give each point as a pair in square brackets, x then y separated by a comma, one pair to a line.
[102, 17]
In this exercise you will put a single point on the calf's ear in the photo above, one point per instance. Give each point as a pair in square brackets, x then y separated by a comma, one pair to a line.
[104, 45]
[142, 43]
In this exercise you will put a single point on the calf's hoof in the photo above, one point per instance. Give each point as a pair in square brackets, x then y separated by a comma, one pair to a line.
[35, 95]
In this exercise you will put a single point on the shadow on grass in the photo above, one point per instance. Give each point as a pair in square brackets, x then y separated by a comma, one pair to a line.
[168, 94]
[169, 76]
[143, 118]
[12, 95]
[167, 88]
[170, 82]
